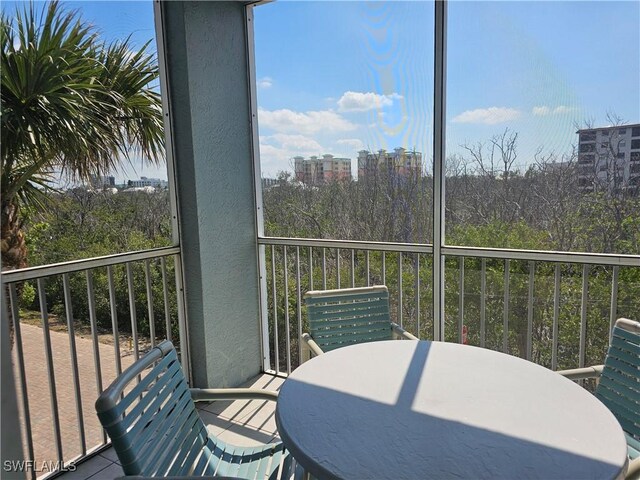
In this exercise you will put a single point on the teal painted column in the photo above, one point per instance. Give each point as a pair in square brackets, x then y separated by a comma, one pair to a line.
[205, 46]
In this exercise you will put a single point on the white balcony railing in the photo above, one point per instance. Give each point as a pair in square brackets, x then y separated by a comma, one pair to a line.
[554, 308]
[95, 317]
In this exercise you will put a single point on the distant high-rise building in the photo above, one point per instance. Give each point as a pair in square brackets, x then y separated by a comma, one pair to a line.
[147, 182]
[317, 170]
[101, 181]
[609, 158]
[401, 162]
[269, 182]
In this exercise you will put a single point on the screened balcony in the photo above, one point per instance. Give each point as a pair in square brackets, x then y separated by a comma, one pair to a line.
[230, 296]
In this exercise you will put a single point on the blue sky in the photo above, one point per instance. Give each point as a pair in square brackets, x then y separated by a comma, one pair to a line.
[340, 76]
[115, 20]
[335, 77]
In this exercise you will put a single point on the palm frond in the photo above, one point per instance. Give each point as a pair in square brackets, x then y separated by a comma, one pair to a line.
[71, 102]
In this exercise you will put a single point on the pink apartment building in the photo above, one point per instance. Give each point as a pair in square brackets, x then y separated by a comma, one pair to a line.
[317, 170]
[401, 162]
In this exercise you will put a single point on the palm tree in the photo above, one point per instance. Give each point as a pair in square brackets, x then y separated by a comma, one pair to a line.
[71, 105]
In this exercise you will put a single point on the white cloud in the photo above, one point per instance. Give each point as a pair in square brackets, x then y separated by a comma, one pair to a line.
[487, 116]
[362, 102]
[305, 123]
[562, 109]
[541, 111]
[277, 151]
[265, 82]
[545, 110]
[354, 143]
[293, 142]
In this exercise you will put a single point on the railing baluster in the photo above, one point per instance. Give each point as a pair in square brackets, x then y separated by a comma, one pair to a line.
[63, 273]
[183, 327]
[583, 315]
[324, 268]
[114, 319]
[461, 299]
[384, 268]
[505, 325]
[310, 268]
[367, 267]
[165, 295]
[400, 288]
[299, 305]
[276, 345]
[483, 301]
[15, 315]
[287, 326]
[132, 310]
[556, 316]
[152, 325]
[53, 396]
[486, 298]
[353, 269]
[263, 294]
[74, 361]
[613, 309]
[532, 270]
[417, 289]
[91, 301]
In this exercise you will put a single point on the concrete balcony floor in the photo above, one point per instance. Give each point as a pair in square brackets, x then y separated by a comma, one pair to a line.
[242, 422]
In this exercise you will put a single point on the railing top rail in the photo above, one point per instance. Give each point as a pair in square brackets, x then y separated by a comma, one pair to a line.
[31, 273]
[545, 256]
[458, 251]
[347, 244]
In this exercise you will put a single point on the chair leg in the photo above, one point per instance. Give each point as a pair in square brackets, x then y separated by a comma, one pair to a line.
[306, 352]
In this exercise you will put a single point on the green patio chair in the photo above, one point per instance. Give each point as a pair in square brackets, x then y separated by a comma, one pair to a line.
[619, 385]
[348, 316]
[156, 431]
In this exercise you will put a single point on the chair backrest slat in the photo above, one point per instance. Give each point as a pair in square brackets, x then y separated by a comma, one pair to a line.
[117, 408]
[626, 356]
[619, 386]
[153, 425]
[360, 308]
[623, 406]
[345, 317]
[624, 343]
[194, 437]
[155, 455]
[612, 377]
[158, 395]
[156, 431]
[380, 319]
[352, 330]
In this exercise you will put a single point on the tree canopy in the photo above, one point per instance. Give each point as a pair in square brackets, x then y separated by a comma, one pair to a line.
[72, 105]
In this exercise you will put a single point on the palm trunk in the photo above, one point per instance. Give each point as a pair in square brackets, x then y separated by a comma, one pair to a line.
[14, 251]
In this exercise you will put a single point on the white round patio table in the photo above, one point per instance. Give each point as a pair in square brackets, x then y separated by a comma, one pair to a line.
[435, 410]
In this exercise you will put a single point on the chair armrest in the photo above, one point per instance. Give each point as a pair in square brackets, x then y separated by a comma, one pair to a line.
[578, 373]
[401, 332]
[313, 346]
[633, 471]
[210, 394]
